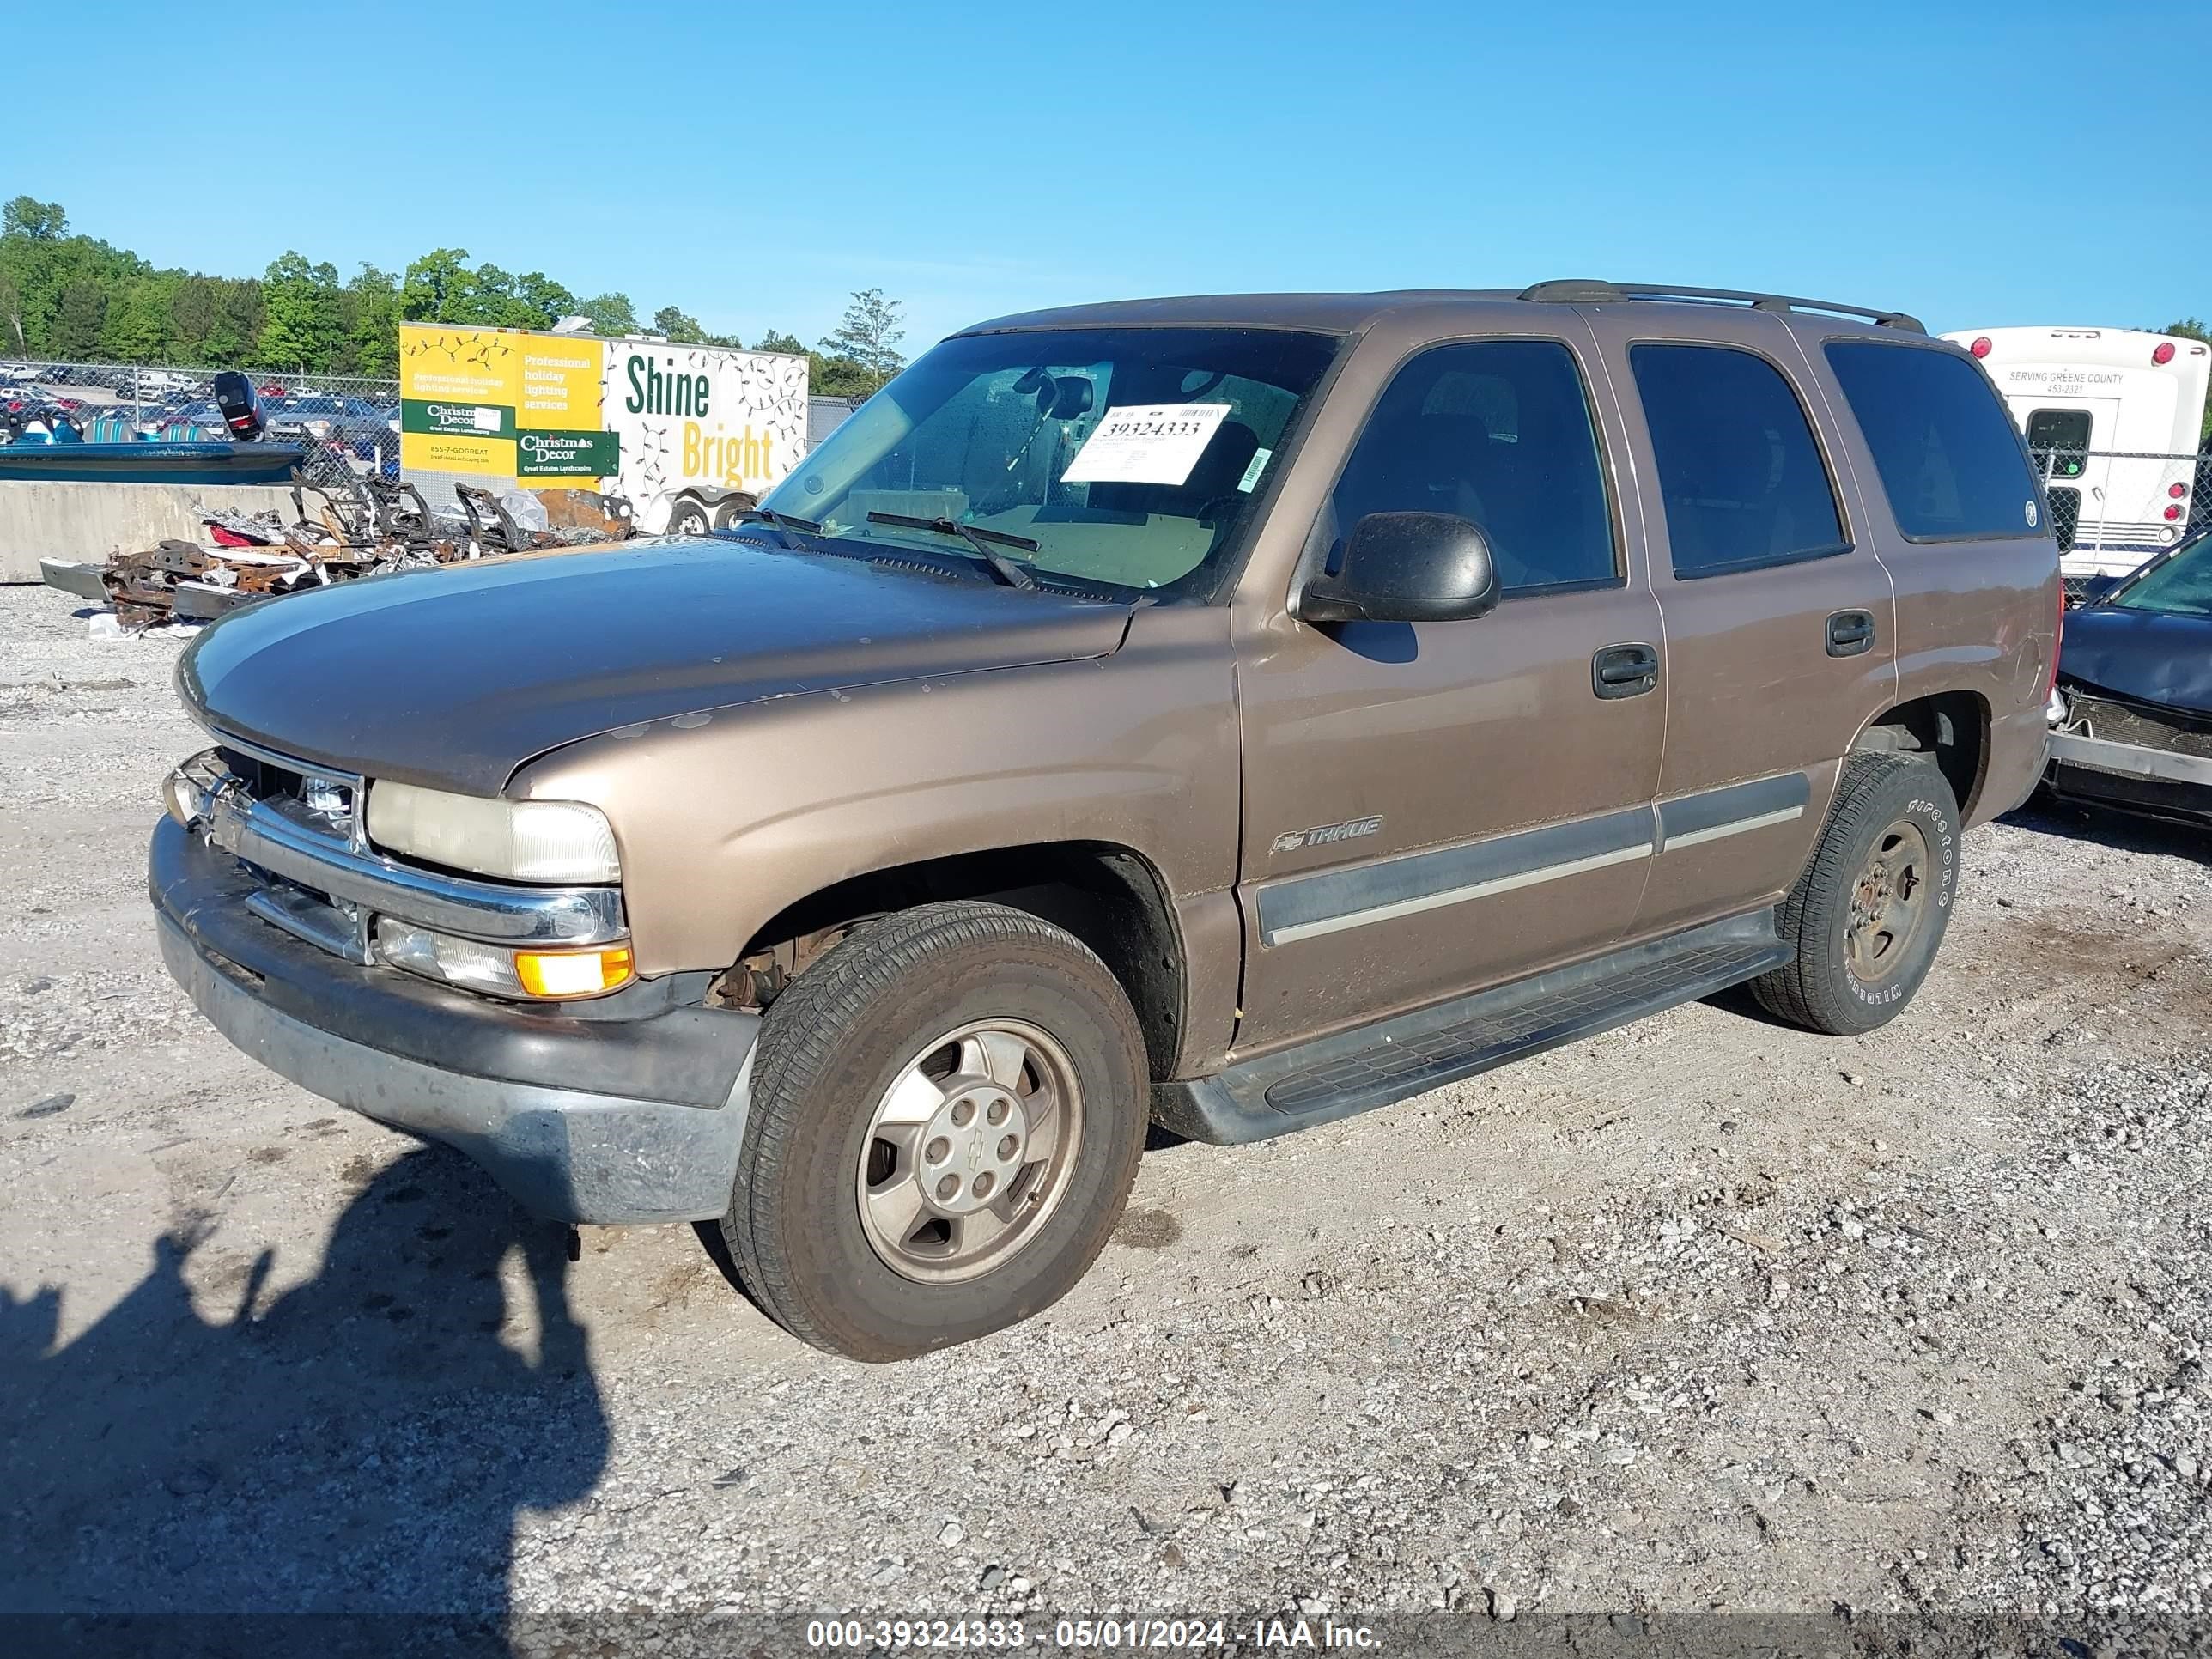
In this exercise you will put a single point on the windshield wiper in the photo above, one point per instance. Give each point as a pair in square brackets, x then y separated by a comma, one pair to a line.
[782, 523]
[982, 540]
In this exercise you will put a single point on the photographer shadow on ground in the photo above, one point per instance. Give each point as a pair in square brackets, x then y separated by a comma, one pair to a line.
[361, 1444]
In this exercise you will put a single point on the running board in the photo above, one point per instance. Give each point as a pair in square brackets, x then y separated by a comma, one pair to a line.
[1354, 1072]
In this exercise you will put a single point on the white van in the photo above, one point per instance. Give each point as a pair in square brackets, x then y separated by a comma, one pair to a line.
[2113, 417]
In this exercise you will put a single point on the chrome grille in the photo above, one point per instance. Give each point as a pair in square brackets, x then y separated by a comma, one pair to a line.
[324, 806]
[323, 883]
[322, 801]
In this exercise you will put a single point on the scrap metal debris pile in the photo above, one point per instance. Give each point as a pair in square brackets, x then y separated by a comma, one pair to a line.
[358, 528]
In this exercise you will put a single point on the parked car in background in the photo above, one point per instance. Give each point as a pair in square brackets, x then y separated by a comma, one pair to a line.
[2131, 716]
[199, 417]
[158, 383]
[343, 433]
[318, 414]
[1237, 712]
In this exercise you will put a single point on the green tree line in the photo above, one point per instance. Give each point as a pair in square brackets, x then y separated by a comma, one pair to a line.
[69, 297]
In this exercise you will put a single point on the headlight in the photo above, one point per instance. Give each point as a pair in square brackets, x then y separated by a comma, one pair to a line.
[540, 840]
[189, 793]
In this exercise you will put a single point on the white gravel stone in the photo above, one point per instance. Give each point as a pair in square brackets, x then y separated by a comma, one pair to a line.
[1563, 1336]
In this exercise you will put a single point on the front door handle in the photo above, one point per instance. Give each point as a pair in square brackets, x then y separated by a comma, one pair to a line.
[1625, 671]
[1849, 633]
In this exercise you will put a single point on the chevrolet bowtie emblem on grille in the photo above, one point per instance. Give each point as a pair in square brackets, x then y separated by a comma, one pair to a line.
[1321, 834]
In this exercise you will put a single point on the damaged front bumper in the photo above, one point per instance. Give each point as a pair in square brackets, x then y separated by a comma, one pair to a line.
[631, 1110]
[2168, 774]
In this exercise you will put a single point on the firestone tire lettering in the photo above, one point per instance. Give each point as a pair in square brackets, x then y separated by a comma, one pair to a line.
[1818, 991]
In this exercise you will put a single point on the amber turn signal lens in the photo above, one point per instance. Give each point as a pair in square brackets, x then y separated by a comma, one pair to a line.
[572, 973]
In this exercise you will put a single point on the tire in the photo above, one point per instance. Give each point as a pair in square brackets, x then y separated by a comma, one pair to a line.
[687, 517]
[831, 1050]
[728, 512]
[1844, 978]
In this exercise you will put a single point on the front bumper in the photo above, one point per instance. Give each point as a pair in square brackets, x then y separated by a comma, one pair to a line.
[581, 1118]
[2129, 775]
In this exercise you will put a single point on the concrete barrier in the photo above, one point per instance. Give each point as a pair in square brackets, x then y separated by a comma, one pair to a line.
[88, 521]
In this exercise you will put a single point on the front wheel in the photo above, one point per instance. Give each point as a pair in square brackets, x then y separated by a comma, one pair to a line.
[1870, 911]
[946, 1116]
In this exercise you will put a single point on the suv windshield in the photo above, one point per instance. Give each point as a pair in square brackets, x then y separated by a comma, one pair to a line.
[1127, 455]
[2181, 586]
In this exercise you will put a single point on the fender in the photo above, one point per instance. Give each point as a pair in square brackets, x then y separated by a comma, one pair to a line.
[726, 822]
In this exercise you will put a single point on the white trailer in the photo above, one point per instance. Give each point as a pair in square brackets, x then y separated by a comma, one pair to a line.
[703, 432]
[2113, 417]
[692, 434]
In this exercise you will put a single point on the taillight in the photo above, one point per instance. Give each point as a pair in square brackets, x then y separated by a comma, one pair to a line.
[1981, 348]
[2162, 352]
[2178, 491]
[2172, 513]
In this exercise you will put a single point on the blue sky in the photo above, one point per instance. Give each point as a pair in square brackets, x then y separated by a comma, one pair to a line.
[1976, 164]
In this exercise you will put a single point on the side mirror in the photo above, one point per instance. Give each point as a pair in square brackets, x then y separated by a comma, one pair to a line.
[1407, 567]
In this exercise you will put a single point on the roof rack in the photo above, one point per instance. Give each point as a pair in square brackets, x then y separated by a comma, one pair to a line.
[1591, 292]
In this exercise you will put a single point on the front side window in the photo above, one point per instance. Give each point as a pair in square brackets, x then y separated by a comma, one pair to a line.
[1739, 470]
[1118, 459]
[1496, 432]
[1941, 440]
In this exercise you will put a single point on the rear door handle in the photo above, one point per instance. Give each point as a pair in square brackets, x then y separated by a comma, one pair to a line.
[1849, 633]
[1625, 671]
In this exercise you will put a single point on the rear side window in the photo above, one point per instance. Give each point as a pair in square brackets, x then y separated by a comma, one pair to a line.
[1497, 432]
[1742, 477]
[1942, 442]
[2057, 439]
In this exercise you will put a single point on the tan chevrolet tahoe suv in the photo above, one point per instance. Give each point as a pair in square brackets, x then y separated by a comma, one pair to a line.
[1235, 713]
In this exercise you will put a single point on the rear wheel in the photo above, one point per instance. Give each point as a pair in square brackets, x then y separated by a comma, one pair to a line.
[947, 1112]
[728, 512]
[687, 517]
[1870, 909]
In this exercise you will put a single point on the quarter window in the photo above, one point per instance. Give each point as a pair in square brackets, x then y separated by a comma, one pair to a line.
[1497, 432]
[1739, 470]
[1949, 461]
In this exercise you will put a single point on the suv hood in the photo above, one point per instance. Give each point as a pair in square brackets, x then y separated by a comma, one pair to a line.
[2145, 656]
[452, 678]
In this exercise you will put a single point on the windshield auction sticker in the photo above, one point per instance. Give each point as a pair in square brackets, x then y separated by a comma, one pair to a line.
[1146, 444]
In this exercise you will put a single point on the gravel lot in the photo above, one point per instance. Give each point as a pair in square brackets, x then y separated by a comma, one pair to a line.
[1704, 1315]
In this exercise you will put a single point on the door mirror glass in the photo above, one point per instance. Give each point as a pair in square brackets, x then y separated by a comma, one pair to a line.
[1407, 567]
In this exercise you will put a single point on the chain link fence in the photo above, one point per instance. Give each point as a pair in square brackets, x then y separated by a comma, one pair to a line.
[2113, 509]
[346, 424]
